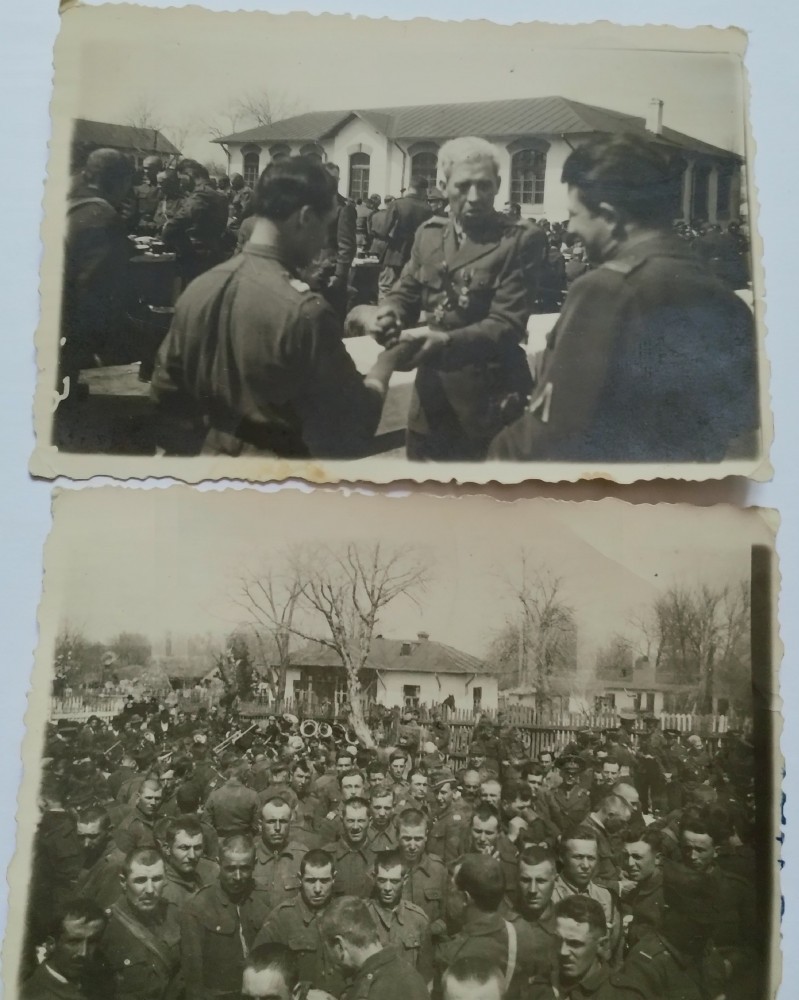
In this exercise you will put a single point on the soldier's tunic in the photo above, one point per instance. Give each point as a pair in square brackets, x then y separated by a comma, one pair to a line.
[478, 289]
[599, 983]
[642, 908]
[652, 359]
[178, 888]
[661, 971]
[604, 897]
[386, 976]
[144, 957]
[381, 840]
[233, 808]
[256, 357]
[294, 924]
[101, 882]
[448, 832]
[305, 821]
[47, 984]
[563, 809]
[408, 929]
[216, 933]
[354, 866]
[135, 830]
[278, 871]
[196, 231]
[426, 886]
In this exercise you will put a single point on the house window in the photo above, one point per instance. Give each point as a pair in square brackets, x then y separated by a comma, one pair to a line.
[527, 169]
[477, 698]
[313, 152]
[252, 168]
[410, 695]
[604, 702]
[406, 649]
[650, 701]
[724, 193]
[699, 204]
[359, 176]
[279, 152]
[425, 165]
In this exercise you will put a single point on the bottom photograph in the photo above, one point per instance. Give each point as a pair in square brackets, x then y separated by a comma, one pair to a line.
[312, 745]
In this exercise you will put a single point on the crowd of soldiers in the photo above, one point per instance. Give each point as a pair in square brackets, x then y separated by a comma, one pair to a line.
[652, 358]
[202, 857]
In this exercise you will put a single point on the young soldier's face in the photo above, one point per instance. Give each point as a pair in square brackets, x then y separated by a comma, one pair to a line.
[388, 882]
[76, 947]
[412, 840]
[578, 944]
[316, 885]
[593, 228]
[579, 861]
[185, 852]
[536, 883]
[640, 861]
[380, 809]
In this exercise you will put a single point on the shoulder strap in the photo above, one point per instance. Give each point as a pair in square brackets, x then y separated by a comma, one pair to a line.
[80, 202]
[512, 949]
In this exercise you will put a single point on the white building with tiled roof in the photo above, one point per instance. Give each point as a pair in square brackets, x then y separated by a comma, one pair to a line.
[398, 673]
[379, 149]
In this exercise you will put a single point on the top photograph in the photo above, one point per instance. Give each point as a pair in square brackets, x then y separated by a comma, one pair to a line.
[350, 250]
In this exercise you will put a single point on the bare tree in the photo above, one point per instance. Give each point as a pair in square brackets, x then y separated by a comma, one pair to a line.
[143, 114]
[263, 107]
[542, 630]
[270, 601]
[179, 135]
[228, 119]
[340, 595]
[696, 634]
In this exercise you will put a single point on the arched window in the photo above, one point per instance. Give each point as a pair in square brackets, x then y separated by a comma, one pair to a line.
[251, 167]
[425, 165]
[313, 151]
[527, 169]
[279, 152]
[359, 176]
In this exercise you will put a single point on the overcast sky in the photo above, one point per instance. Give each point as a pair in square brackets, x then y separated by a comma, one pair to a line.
[158, 560]
[190, 65]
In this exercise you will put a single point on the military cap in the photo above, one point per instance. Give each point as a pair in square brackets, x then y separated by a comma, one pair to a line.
[671, 732]
[626, 715]
[442, 777]
[398, 755]
[477, 749]
[571, 762]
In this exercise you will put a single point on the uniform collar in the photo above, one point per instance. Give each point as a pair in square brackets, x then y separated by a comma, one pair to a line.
[387, 917]
[376, 961]
[478, 924]
[265, 853]
[268, 252]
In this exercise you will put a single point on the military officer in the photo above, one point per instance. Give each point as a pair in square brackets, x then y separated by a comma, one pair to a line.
[141, 942]
[268, 374]
[219, 924]
[450, 821]
[473, 275]
[569, 803]
[400, 922]
[295, 923]
[377, 972]
[652, 357]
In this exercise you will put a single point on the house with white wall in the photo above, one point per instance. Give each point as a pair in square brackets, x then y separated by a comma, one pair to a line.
[378, 150]
[398, 673]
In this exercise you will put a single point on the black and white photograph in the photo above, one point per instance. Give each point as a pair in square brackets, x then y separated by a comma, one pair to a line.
[345, 249]
[416, 747]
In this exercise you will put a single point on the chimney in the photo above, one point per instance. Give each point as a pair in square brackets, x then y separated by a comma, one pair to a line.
[654, 116]
[422, 636]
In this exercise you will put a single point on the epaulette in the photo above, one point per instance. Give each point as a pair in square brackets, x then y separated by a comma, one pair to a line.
[435, 857]
[299, 285]
[624, 267]
[414, 908]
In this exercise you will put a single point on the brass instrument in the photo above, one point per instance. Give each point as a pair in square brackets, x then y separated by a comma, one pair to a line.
[233, 738]
[310, 729]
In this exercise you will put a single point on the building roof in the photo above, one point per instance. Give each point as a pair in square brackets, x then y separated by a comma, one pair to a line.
[518, 117]
[102, 134]
[418, 655]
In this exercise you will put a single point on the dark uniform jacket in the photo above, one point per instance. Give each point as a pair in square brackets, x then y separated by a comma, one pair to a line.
[408, 930]
[448, 832]
[478, 290]
[278, 871]
[426, 885]
[404, 216]
[101, 882]
[144, 958]
[562, 810]
[197, 228]
[259, 357]
[386, 976]
[233, 808]
[45, 984]
[642, 908]
[337, 256]
[214, 933]
[178, 888]
[135, 830]
[652, 359]
[354, 867]
[661, 971]
[599, 983]
[294, 924]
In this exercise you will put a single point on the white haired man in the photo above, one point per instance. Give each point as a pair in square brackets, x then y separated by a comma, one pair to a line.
[473, 274]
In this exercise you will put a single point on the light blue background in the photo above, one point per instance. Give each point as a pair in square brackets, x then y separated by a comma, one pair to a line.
[27, 32]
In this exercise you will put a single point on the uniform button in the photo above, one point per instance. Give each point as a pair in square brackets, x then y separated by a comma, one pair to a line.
[370, 976]
[126, 962]
[219, 928]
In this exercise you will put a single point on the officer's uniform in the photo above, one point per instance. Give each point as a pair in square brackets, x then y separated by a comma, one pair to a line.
[651, 359]
[448, 832]
[278, 871]
[216, 932]
[387, 976]
[178, 888]
[144, 958]
[563, 809]
[294, 924]
[354, 867]
[268, 373]
[660, 970]
[479, 290]
[426, 885]
[408, 929]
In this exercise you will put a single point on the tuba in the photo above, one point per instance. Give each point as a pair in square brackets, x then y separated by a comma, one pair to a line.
[350, 738]
[310, 729]
[325, 730]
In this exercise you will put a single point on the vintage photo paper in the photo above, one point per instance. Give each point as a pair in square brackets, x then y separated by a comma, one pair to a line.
[611, 661]
[532, 251]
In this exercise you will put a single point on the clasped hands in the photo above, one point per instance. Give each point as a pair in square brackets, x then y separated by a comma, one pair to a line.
[416, 345]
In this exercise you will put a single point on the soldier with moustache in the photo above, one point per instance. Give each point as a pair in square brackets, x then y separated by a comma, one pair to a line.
[473, 275]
